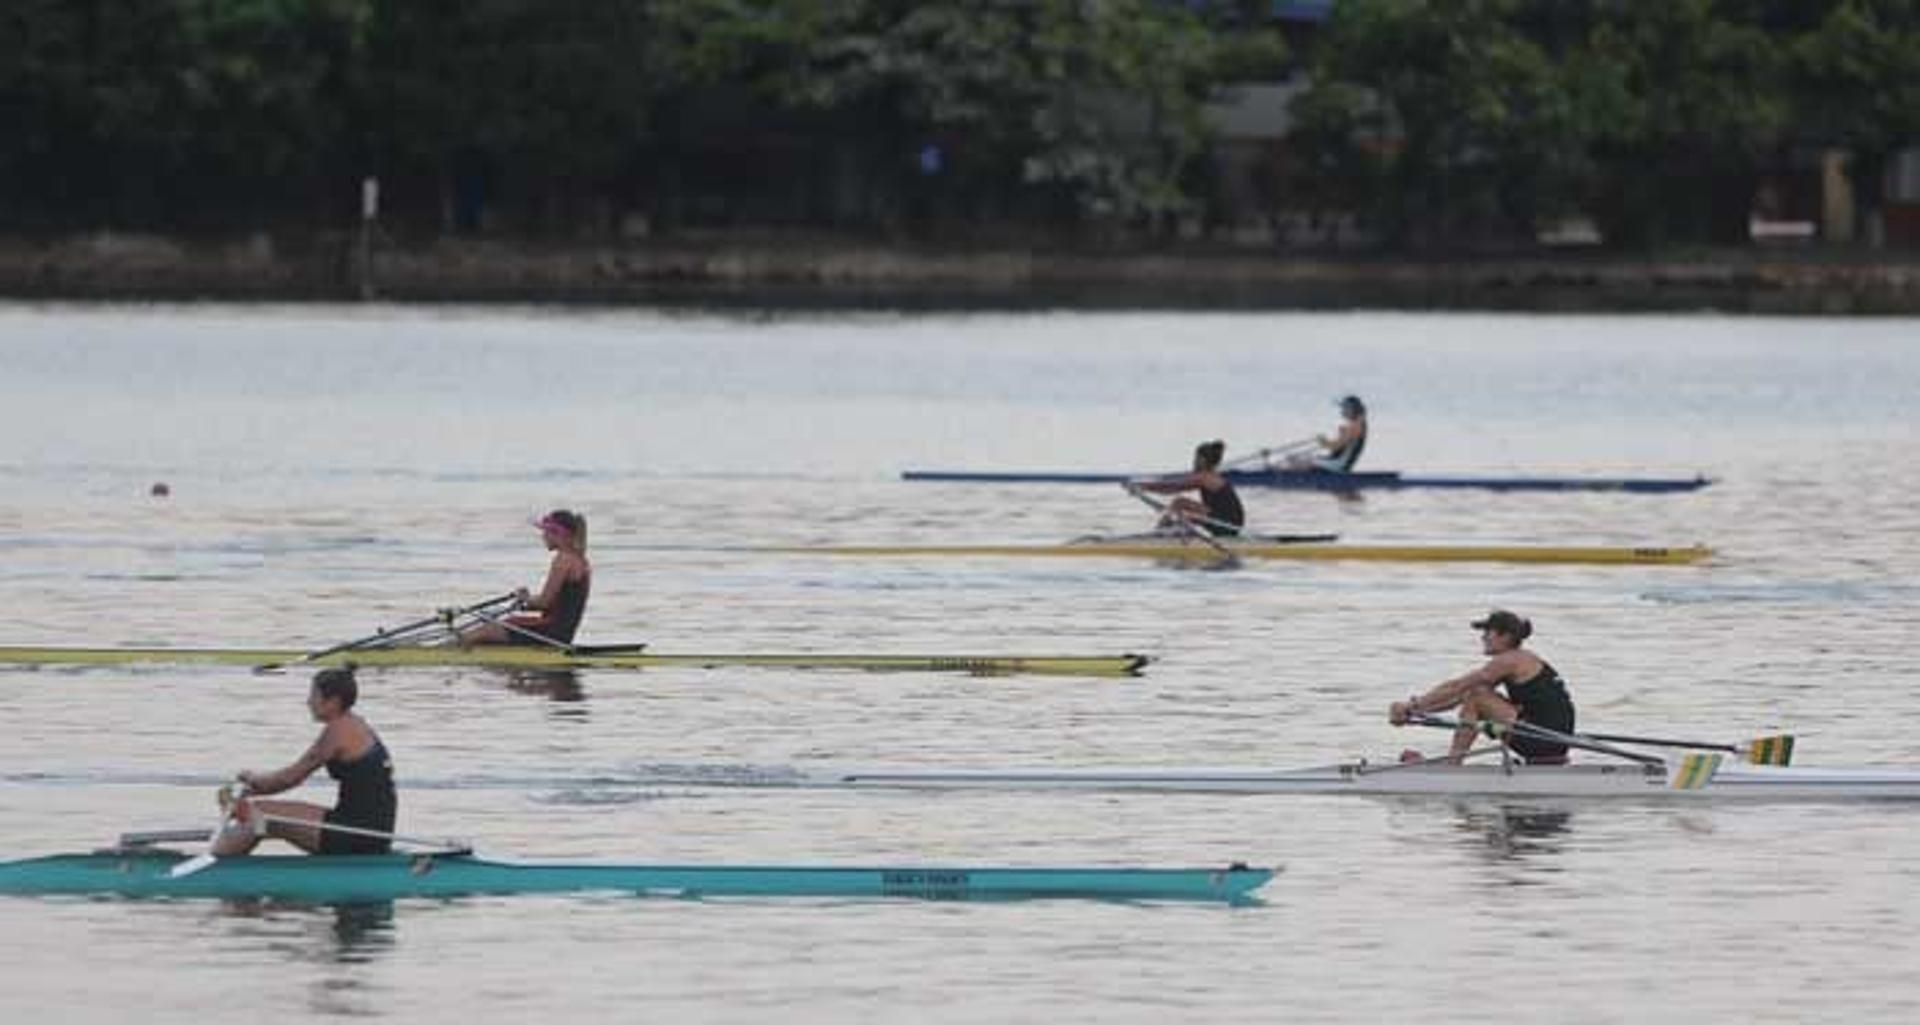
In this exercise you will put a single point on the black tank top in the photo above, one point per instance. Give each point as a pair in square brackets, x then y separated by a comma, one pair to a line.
[569, 606]
[366, 796]
[1224, 505]
[1543, 700]
[1344, 458]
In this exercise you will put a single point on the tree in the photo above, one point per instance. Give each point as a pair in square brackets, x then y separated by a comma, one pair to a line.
[1681, 100]
[1463, 117]
[1856, 83]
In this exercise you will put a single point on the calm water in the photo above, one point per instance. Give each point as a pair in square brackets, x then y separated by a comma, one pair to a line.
[335, 469]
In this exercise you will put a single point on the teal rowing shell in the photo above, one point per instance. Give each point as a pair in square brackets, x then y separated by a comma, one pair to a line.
[356, 878]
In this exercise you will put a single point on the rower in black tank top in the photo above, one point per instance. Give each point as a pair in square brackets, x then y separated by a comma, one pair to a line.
[1342, 459]
[568, 609]
[366, 801]
[1542, 701]
[1223, 505]
[561, 622]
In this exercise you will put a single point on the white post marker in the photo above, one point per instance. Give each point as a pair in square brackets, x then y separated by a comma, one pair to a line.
[369, 213]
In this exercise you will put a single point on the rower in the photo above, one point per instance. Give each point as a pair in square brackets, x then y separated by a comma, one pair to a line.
[1339, 451]
[352, 753]
[1535, 694]
[562, 601]
[1217, 511]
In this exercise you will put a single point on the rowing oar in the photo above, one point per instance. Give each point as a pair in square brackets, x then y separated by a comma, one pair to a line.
[385, 635]
[1691, 771]
[1192, 525]
[1774, 750]
[1265, 456]
[1494, 728]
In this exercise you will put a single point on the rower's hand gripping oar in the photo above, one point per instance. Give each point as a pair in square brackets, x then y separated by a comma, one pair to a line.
[1191, 525]
[387, 636]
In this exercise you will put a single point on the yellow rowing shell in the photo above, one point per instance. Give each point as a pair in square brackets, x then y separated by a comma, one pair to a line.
[1194, 551]
[602, 657]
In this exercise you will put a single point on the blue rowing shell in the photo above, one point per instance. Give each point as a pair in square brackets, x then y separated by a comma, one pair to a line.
[1324, 480]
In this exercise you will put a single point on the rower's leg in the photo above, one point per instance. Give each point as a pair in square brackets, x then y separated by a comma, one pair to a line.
[237, 836]
[1480, 705]
[486, 633]
[298, 822]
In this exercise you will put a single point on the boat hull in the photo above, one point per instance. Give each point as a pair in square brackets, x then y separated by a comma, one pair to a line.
[1187, 550]
[1323, 480]
[606, 657]
[359, 878]
[1731, 782]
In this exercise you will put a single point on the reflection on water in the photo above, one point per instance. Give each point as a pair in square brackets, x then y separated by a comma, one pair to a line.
[356, 933]
[362, 932]
[561, 686]
[1514, 832]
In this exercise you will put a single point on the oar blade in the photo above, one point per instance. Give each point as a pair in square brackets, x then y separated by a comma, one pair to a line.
[1694, 771]
[1777, 750]
[191, 865]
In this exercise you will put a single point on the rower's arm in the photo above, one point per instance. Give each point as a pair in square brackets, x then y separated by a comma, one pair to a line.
[293, 775]
[549, 591]
[1451, 692]
[1340, 438]
[1170, 485]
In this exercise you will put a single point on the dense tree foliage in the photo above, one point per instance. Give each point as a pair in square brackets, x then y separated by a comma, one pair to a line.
[1436, 121]
[1654, 119]
[561, 113]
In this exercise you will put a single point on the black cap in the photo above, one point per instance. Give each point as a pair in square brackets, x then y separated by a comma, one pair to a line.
[1501, 621]
[1352, 406]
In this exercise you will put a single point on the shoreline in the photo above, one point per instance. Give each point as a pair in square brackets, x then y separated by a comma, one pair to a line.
[814, 271]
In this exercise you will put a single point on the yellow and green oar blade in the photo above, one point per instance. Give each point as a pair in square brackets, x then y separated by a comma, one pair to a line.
[1776, 750]
[1694, 771]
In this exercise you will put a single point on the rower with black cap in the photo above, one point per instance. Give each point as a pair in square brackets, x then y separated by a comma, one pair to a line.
[1535, 694]
[1339, 451]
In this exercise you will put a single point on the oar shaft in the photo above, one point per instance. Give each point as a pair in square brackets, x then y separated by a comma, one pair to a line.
[385, 635]
[442, 617]
[1619, 738]
[1538, 732]
[334, 827]
[514, 628]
